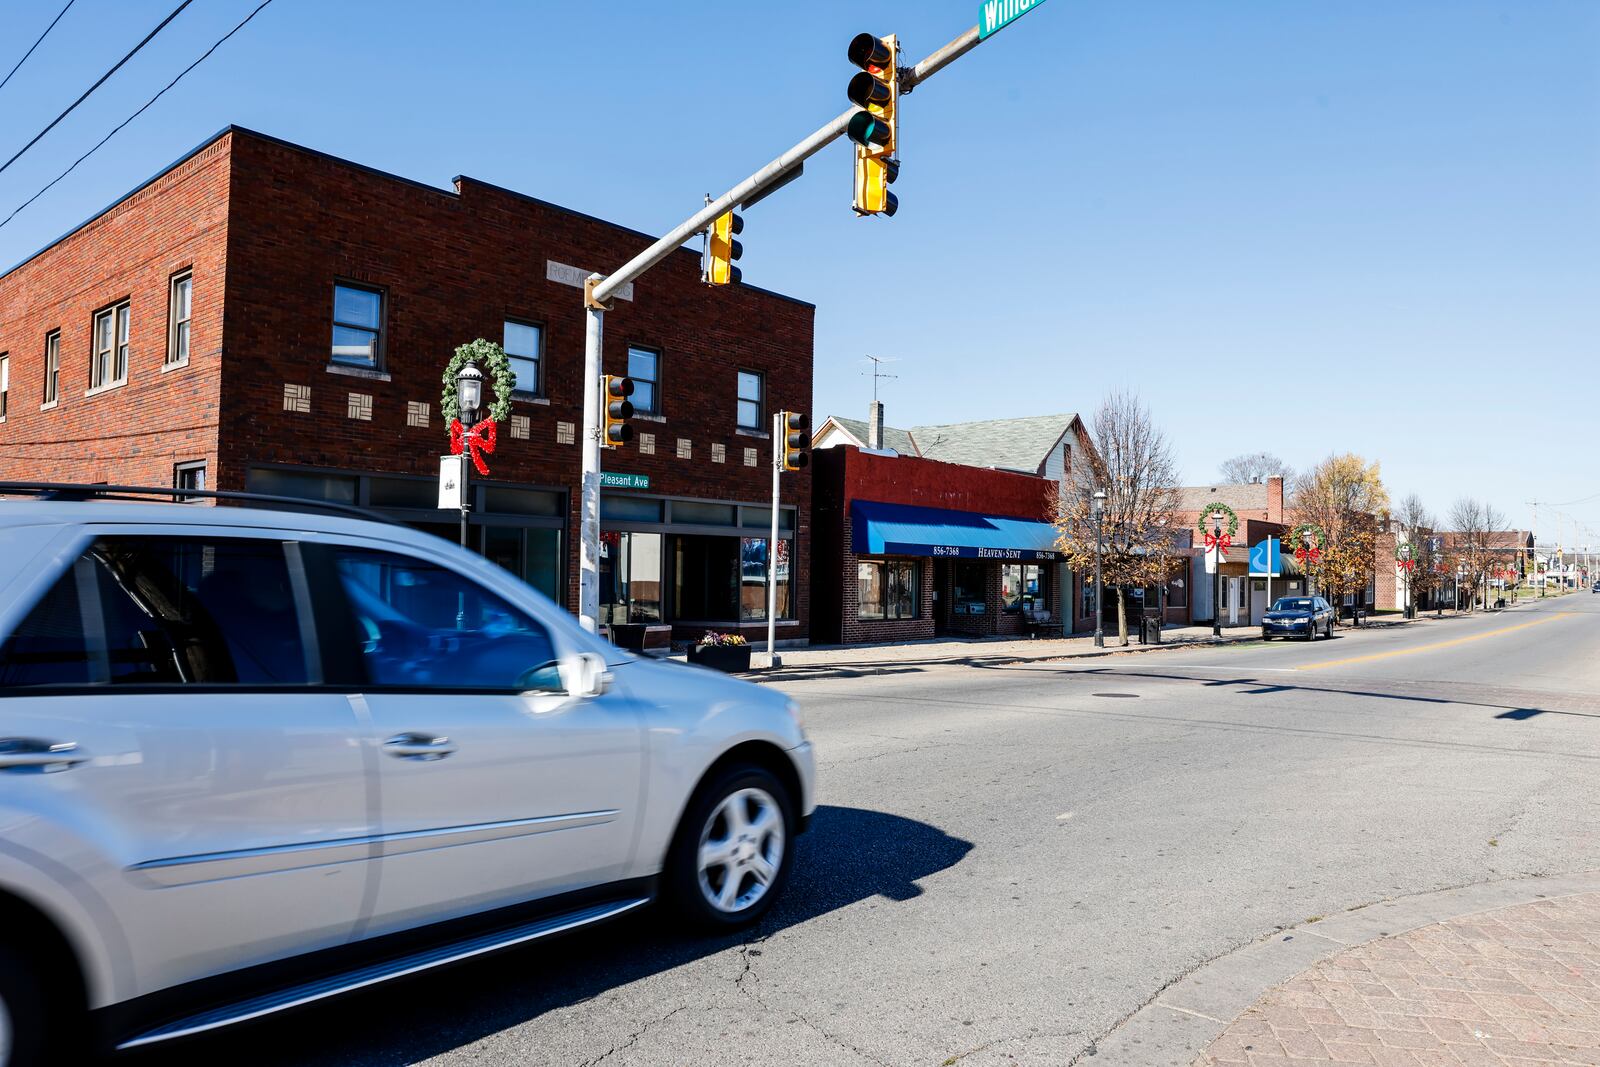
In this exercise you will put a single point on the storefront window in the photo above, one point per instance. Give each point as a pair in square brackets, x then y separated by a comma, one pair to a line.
[971, 588]
[1177, 593]
[534, 555]
[1086, 596]
[888, 589]
[753, 578]
[630, 577]
[1021, 588]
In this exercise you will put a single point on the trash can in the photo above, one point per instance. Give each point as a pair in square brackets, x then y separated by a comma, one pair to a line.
[1152, 629]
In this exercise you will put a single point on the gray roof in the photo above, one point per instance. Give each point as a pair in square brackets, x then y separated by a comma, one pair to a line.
[899, 440]
[1014, 444]
[1246, 496]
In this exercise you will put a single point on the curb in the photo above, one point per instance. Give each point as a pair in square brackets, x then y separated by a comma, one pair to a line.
[1182, 1020]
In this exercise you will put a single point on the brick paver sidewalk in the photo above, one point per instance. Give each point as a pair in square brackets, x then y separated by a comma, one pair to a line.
[1517, 986]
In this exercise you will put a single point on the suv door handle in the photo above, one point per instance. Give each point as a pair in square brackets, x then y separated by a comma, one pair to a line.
[23, 752]
[418, 746]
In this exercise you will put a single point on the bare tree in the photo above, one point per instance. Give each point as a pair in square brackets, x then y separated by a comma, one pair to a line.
[1417, 525]
[1474, 543]
[1255, 467]
[1134, 466]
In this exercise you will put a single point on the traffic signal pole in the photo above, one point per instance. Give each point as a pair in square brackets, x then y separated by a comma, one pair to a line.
[601, 289]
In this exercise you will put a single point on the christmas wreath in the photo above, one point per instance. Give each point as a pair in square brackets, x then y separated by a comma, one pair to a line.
[500, 379]
[1405, 555]
[1309, 540]
[1222, 543]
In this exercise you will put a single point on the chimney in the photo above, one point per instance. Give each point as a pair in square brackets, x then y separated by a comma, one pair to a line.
[875, 424]
[1275, 498]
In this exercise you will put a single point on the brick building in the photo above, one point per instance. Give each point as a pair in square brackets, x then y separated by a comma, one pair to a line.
[262, 316]
[1261, 512]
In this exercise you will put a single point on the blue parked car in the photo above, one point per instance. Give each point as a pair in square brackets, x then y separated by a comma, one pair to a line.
[1298, 616]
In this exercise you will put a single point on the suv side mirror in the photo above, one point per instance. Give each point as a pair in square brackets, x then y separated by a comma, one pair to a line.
[586, 675]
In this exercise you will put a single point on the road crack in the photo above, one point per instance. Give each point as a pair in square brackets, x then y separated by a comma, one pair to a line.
[633, 1039]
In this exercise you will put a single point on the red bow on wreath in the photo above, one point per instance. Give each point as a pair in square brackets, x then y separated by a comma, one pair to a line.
[1220, 543]
[479, 439]
[1305, 554]
[1407, 564]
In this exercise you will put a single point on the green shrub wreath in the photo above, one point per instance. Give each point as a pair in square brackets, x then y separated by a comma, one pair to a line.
[1210, 510]
[1297, 538]
[499, 376]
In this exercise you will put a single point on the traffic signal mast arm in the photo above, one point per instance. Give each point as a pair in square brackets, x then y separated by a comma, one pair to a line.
[603, 290]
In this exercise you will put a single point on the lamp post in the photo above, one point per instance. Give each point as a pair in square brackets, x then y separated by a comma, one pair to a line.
[1099, 537]
[469, 399]
[1216, 581]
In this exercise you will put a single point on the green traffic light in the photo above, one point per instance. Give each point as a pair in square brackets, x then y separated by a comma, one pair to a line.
[865, 129]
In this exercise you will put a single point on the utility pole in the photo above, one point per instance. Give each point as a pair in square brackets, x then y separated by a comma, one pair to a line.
[600, 289]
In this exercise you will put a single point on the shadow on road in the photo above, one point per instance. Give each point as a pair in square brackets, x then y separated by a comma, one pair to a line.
[847, 855]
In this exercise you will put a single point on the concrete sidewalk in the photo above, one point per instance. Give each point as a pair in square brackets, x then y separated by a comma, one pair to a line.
[851, 661]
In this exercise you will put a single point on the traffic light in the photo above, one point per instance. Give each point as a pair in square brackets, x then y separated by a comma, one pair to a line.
[615, 391]
[722, 250]
[876, 90]
[796, 441]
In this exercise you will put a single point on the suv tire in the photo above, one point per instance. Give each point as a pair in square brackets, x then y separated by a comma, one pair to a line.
[22, 1011]
[733, 851]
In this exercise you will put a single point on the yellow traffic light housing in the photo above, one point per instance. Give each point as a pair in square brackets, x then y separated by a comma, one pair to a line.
[876, 91]
[617, 410]
[796, 440]
[722, 250]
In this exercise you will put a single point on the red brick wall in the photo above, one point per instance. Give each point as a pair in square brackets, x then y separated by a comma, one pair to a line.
[454, 266]
[931, 484]
[136, 432]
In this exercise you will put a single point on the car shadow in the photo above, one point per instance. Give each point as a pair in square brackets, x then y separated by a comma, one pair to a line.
[847, 855]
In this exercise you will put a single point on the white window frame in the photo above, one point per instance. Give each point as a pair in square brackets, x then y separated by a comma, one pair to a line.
[655, 383]
[52, 368]
[179, 325]
[378, 354]
[537, 359]
[5, 384]
[760, 400]
[112, 361]
[179, 470]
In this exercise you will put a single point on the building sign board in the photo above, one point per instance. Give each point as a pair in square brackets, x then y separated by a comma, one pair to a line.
[1022, 555]
[452, 479]
[1265, 559]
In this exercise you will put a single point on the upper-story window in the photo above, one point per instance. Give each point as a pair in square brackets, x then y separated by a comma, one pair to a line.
[752, 399]
[525, 350]
[5, 382]
[109, 364]
[179, 303]
[357, 325]
[644, 367]
[52, 366]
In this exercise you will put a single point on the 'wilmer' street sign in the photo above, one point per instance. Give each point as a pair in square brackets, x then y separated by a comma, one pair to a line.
[997, 14]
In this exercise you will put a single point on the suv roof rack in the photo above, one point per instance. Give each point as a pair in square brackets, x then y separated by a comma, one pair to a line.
[100, 491]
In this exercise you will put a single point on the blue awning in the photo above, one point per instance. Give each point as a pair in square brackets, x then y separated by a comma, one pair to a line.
[904, 530]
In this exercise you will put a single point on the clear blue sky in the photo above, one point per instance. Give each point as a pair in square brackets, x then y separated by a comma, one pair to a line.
[1292, 226]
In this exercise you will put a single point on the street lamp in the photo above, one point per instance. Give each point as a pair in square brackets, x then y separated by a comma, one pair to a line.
[1099, 537]
[469, 401]
[1216, 583]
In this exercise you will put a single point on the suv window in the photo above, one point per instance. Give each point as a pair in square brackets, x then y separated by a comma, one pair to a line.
[164, 611]
[419, 625]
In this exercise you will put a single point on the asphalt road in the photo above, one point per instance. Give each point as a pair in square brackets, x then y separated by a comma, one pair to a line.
[1010, 861]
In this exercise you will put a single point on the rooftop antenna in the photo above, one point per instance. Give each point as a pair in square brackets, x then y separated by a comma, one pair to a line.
[877, 372]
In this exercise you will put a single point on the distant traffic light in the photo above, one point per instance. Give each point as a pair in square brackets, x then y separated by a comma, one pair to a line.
[615, 391]
[876, 90]
[796, 441]
[722, 250]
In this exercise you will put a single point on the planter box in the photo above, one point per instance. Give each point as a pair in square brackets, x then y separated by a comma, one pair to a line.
[730, 659]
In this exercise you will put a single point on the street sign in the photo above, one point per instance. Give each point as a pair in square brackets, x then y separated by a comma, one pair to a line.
[615, 480]
[995, 15]
[452, 476]
[1265, 559]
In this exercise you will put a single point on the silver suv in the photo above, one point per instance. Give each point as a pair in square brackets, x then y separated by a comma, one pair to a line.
[252, 758]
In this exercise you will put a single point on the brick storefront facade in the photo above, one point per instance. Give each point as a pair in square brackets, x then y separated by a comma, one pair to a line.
[269, 228]
[846, 475]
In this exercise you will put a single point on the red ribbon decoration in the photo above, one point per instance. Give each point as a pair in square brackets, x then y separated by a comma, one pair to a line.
[1304, 554]
[1220, 543]
[479, 439]
[1407, 564]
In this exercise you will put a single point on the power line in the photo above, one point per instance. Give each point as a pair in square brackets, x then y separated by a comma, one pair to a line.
[36, 44]
[175, 12]
[101, 143]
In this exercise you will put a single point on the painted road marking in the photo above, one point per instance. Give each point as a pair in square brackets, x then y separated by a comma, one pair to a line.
[1429, 648]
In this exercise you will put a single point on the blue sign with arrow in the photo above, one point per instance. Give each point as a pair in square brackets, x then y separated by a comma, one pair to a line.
[1265, 559]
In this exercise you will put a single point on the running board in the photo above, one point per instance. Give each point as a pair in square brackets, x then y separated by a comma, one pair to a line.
[335, 985]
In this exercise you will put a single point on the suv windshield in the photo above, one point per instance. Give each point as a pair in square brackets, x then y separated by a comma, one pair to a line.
[1292, 603]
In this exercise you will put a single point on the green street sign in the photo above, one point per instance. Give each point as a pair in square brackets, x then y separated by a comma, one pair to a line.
[996, 15]
[613, 480]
